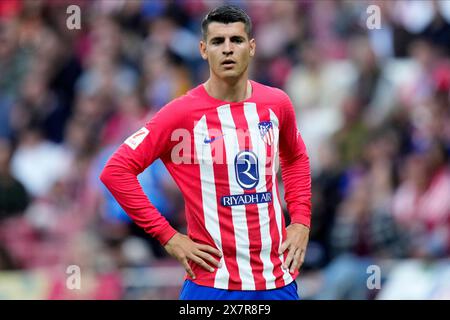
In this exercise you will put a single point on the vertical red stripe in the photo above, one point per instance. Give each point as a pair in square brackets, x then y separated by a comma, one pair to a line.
[251, 210]
[224, 213]
[264, 115]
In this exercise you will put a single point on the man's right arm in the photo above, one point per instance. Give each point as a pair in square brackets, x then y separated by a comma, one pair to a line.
[120, 177]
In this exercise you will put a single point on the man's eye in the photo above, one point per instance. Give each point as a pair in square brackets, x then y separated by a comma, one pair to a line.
[216, 42]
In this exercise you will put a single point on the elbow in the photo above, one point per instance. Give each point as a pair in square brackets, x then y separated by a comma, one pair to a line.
[112, 173]
[106, 176]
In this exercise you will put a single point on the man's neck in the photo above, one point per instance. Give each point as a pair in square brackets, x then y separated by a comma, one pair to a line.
[229, 91]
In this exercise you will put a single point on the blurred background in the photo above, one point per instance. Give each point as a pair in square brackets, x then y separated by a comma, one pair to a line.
[373, 107]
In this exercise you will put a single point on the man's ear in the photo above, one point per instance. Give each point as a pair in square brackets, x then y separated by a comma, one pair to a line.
[252, 47]
[202, 48]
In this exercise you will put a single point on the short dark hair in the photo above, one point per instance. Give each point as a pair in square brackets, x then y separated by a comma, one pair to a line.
[227, 14]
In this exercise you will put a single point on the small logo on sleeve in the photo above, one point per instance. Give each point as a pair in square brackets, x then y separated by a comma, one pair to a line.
[136, 138]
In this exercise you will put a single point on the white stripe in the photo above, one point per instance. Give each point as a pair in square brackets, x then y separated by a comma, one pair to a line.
[260, 150]
[209, 201]
[276, 202]
[237, 212]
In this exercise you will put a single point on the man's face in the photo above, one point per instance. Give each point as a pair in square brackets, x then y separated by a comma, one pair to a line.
[227, 49]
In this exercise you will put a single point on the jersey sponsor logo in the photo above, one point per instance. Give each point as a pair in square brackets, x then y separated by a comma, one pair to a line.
[266, 131]
[136, 138]
[243, 199]
[211, 140]
[246, 168]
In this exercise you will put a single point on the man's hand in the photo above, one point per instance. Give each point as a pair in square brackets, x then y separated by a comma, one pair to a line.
[296, 242]
[182, 248]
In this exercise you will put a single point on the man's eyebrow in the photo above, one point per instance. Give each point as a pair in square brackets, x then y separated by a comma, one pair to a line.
[232, 38]
[218, 38]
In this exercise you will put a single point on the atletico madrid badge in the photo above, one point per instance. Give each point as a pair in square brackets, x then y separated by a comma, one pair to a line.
[266, 131]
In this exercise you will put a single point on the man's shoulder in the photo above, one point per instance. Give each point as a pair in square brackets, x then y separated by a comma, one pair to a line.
[270, 92]
[174, 112]
[178, 105]
[183, 100]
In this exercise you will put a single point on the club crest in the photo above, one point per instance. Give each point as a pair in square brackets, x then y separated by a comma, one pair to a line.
[266, 131]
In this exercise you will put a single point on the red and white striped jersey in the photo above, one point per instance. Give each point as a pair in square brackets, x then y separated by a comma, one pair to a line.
[223, 156]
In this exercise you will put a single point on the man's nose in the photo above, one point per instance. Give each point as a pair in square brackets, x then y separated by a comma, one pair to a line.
[227, 47]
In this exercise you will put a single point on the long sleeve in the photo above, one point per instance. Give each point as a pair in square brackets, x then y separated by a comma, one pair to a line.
[295, 167]
[120, 174]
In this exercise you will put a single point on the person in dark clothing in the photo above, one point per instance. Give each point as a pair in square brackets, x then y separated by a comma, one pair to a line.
[13, 196]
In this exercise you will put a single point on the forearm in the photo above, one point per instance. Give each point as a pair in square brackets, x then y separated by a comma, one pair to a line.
[124, 186]
[296, 177]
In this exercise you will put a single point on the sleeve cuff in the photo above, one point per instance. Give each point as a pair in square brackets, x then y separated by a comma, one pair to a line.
[166, 235]
[301, 219]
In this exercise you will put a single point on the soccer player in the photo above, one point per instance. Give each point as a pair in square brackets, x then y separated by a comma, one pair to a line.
[221, 143]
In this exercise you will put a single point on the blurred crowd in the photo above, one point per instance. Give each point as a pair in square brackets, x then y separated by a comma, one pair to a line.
[372, 105]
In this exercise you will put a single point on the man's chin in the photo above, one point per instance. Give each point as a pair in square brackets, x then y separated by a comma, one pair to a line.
[230, 75]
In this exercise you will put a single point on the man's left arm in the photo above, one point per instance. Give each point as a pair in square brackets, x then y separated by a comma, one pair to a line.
[296, 175]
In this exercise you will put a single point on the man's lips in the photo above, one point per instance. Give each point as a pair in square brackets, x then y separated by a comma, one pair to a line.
[228, 62]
